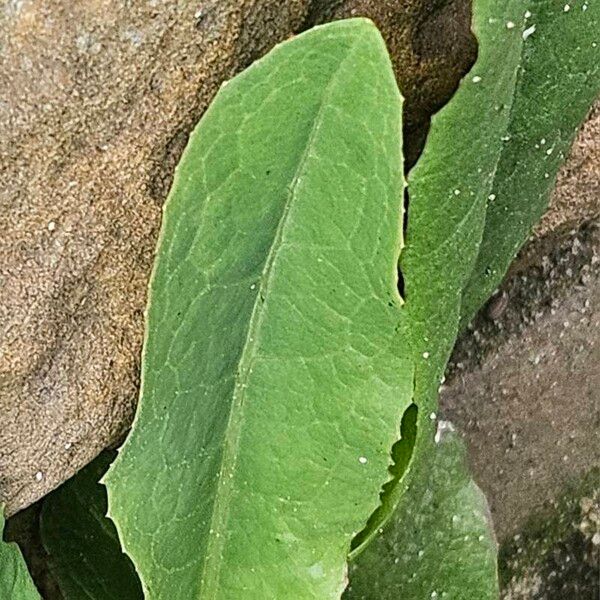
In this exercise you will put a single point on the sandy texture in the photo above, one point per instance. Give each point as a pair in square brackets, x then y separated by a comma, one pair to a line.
[97, 99]
[524, 383]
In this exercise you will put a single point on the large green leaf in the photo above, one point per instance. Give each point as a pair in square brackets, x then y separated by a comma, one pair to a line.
[278, 358]
[274, 375]
[440, 545]
[558, 79]
[84, 554]
[15, 581]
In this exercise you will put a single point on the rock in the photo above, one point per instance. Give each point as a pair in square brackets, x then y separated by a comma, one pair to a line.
[524, 389]
[555, 556]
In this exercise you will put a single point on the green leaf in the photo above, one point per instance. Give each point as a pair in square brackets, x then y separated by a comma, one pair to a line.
[440, 545]
[448, 189]
[15, 581]
[83, 549]
[274, 378]
[558, 79]
[278, 358]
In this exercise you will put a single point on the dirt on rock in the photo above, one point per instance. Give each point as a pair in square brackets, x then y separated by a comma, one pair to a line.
[523, 385]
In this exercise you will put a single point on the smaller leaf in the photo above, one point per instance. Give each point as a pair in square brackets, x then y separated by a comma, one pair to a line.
[439, 545]
[558, 78]
[84, 552]
[15, 581]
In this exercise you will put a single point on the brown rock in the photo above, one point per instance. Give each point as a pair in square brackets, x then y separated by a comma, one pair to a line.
[524, 389]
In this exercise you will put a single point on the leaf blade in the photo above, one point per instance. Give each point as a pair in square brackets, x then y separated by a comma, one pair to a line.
[559, 70]
[326, 381]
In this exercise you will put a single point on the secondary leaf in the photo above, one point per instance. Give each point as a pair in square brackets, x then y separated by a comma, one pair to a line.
[558, 79]
[440, 544]
[273, 378]
[84, 554]
[448, 189]
[15, 581]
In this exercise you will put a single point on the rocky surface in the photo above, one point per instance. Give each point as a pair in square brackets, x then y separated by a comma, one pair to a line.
[524, 382]
[557, 555]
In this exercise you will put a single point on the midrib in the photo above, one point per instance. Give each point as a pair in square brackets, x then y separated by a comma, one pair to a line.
[211, 571]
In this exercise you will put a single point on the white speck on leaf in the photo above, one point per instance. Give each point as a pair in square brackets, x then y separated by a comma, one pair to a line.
[528, 32]
[476, 79]
[567, 7]
[443, 428]
[39, 476]
[316, 571]
[362, 460]
[510, 25]
[425, 355]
